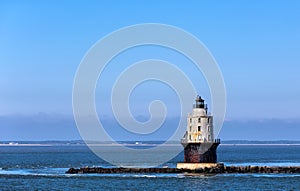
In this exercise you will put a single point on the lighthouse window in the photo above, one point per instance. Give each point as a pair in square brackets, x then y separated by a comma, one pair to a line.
[190, 120]
[199, 128]
[207, 120]
[190, 128]
[199, 120]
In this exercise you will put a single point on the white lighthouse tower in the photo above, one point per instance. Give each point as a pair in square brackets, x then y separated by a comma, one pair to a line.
[199, 124]
[200, 145]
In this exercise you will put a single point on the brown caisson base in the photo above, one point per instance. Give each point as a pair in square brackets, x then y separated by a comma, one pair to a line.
[200, 152]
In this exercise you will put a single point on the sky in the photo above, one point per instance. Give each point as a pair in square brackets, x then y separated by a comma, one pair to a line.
[255, 43]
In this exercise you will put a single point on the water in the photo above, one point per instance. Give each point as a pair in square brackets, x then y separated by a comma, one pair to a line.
[43, 168]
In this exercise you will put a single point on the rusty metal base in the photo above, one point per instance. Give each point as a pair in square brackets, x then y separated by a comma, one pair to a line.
[200, 152]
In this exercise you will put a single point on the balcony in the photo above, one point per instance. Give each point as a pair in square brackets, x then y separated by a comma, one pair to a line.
[185, 140]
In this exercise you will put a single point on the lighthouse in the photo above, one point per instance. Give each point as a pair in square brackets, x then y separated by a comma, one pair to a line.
[200, 145]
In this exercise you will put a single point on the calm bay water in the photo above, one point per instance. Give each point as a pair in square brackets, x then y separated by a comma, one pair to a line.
[43, 168]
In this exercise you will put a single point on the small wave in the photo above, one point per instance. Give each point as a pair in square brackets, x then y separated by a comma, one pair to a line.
[13, 172]
[60, 172]
[132, 175]
[259, 175]
[284, 164]
[276, 175]
[146, 176]
[42, 171]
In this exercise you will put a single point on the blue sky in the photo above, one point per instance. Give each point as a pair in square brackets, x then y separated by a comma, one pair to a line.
[256, 45]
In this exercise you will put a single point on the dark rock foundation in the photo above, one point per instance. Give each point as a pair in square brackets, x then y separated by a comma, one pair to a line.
[220, 168]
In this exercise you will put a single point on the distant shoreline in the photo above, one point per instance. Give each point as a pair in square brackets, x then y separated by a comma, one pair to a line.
[262, 144]
[25, 145]
[138, 145]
